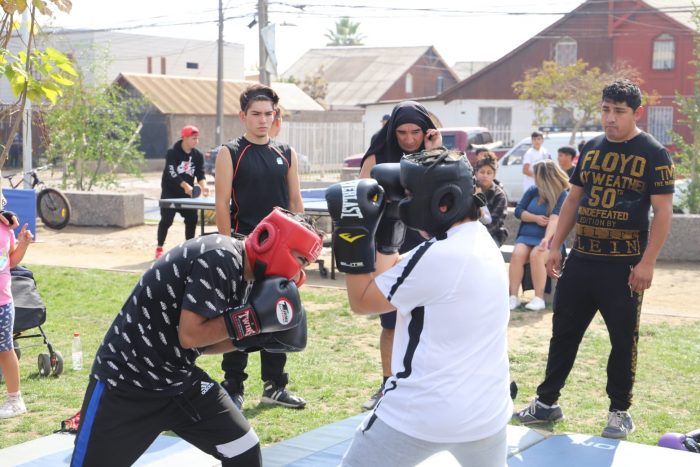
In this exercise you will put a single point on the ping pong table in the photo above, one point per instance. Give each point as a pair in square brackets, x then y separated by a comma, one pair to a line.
[314, 206]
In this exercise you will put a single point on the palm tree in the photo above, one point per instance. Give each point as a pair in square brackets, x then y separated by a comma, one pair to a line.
[345, 33]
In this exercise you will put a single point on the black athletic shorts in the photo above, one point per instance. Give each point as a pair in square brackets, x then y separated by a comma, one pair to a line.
[117, 427]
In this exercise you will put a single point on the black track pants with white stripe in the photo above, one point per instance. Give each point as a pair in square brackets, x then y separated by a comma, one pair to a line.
[117, 427]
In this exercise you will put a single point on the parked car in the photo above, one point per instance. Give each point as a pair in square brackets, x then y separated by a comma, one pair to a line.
[466, 139]
[679, 196]
[210, 162]
[510, 170]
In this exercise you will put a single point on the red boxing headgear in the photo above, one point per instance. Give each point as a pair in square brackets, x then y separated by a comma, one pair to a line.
[269, 247]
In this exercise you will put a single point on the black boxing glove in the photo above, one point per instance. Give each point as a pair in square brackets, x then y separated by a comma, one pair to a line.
[289, 340]
[274, 305]
[355, 208]
[391, 230]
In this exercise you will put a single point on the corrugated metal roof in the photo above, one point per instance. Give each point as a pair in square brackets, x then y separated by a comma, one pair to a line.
[357, 74]
[175, 95]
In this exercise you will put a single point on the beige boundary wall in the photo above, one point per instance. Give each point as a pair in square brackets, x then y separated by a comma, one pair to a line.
[97, 209]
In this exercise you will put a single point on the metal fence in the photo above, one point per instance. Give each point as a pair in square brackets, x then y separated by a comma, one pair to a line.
[325, 144]
[502, 133]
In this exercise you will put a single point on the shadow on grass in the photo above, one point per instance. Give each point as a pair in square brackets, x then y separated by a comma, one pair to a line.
[262, 408]
[544, 428]
[523, 317]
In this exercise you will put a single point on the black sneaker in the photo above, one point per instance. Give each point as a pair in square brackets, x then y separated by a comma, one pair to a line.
[278, 395]
[537, 412]
[234, 391]
[372, 402]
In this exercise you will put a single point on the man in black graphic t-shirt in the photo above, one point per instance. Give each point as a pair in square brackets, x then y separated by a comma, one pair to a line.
[198, 298]
[619, 176]
[253, 175]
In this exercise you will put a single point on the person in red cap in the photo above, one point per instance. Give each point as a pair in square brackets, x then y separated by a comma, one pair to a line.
[184, 164]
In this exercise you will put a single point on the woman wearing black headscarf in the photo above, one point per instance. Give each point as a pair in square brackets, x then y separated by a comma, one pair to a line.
[409, 130]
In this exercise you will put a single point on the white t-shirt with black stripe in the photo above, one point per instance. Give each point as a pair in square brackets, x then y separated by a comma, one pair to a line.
[450, 378]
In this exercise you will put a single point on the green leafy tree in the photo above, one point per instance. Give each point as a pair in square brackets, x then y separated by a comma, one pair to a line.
[33, 74]
[575, 88]
[93, 131]
[345, 33]
[688, 154]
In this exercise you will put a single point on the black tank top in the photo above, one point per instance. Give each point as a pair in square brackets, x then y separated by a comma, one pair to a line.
[259, 182]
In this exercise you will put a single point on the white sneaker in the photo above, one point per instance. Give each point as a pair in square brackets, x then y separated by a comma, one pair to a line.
[536, 304]
[12, 408]
[514, 302]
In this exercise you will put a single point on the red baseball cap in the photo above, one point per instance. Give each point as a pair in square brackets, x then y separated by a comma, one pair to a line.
[189, 130]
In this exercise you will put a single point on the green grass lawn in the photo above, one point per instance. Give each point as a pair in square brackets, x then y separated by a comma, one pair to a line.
[340, 367]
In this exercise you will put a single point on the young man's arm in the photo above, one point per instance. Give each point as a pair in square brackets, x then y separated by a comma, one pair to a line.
[223, 185]
[366, 168]
[566, 222]
[363, 294]
[199, 173]
[195, 331]
[526, 164]
[296, 204]
[643, 273]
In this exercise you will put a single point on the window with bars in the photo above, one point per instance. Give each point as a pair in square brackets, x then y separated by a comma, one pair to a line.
[664, 55]
[565, 51]
[660, 123]
[498, 121]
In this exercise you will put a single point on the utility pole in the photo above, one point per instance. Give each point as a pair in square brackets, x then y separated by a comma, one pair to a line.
[218, 137]
[262, 22]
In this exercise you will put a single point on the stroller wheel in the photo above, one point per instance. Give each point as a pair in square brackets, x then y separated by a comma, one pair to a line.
[57, 363]
[44, 363]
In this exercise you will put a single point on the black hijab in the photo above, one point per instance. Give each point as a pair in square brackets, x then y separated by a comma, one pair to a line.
[384, 145]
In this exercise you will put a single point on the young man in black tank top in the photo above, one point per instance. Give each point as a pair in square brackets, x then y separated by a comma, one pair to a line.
[619, 176]
[253, 175]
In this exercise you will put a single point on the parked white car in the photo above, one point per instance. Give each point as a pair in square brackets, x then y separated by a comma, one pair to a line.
[510, 169]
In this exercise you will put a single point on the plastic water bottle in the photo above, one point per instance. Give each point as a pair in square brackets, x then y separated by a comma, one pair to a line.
[77, 355]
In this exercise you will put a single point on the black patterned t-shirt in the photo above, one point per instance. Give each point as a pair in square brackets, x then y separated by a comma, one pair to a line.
[618, 179]
[141, 349]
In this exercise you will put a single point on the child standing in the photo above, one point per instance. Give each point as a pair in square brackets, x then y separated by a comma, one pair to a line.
[11, 253]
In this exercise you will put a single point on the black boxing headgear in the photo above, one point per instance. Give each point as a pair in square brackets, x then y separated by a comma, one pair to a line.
[436, 178]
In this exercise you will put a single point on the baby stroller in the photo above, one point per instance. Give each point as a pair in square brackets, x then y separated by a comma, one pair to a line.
[30, 312]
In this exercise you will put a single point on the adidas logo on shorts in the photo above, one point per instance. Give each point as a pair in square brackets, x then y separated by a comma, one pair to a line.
[205, 386]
